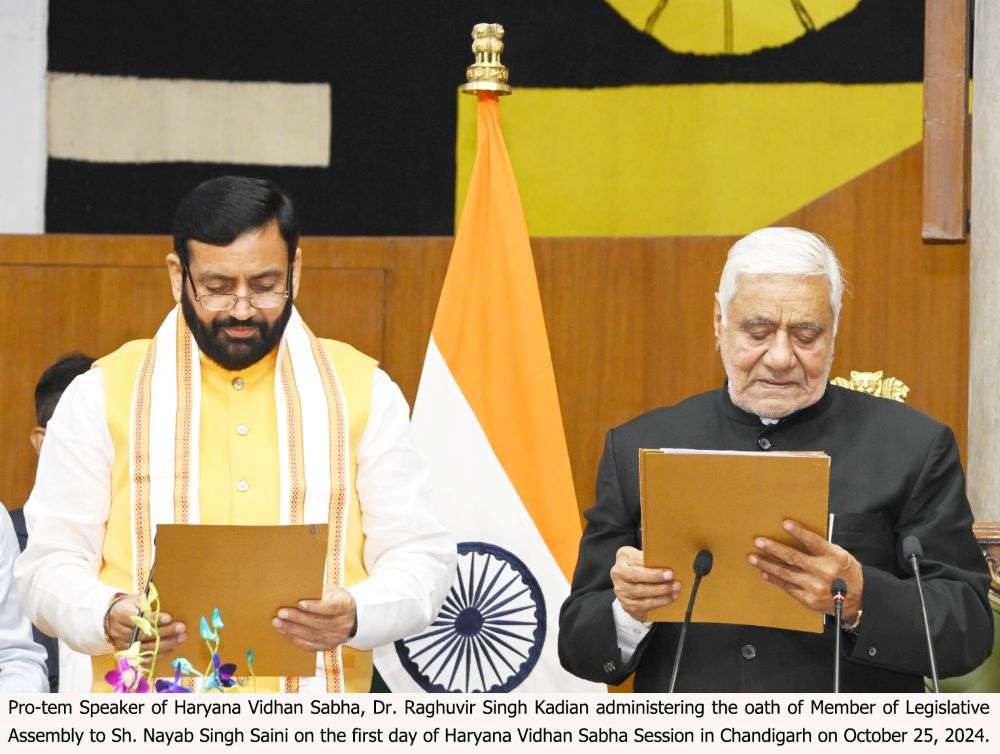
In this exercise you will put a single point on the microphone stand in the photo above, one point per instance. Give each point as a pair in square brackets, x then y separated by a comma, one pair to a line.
[702, 566]
[839, 592]
[927, 625]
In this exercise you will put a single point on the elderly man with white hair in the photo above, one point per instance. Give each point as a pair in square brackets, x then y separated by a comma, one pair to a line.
[894, 472]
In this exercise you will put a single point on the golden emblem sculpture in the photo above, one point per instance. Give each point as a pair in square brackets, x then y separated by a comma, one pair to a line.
[874, 383]
[487, 73]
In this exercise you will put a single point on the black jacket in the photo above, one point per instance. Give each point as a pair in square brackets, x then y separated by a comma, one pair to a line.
[894, 472]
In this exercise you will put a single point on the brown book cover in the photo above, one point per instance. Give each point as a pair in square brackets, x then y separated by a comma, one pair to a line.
[722, 500]
[248, 572]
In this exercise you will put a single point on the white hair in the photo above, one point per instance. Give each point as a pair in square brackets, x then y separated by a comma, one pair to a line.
[781, 251]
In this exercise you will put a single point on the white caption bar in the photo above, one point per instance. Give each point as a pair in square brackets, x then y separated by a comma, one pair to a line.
[533, 722]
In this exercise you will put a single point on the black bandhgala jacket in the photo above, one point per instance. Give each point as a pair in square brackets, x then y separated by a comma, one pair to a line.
[894, 472]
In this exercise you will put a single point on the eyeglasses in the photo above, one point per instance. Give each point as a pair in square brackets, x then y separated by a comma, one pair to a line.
[222, 302]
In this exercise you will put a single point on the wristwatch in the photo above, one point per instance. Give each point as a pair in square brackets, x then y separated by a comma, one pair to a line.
[852, 628]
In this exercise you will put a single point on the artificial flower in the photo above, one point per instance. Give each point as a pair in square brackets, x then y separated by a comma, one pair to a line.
[126, 678]
[166, 686]
[144, 625]
[131, 654]
[181, 665]
[207, 633]
[224, 672]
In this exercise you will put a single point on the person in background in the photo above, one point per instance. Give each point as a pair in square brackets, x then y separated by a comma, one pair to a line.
[22, 660]
[54, 380]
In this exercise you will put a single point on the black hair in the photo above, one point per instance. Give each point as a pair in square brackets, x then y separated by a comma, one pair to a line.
[54, 382]
[222, 209]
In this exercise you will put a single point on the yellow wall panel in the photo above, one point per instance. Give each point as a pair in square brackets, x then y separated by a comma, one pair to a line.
[711, 159]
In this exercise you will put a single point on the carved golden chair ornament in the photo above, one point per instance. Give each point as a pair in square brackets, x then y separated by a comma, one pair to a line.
[874, 383]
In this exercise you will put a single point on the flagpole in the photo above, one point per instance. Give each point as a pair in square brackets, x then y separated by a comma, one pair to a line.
[487, 73]
[488, 424]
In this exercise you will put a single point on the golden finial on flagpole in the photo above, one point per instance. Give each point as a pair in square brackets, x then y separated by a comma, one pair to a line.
[487, 74]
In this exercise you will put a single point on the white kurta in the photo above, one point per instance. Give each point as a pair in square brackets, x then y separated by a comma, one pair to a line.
[409, 556]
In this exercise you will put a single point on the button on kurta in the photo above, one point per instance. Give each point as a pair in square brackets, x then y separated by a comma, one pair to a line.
[238, 383]
[242, 486]
[764, 443]
[749, 651]
[242, 430]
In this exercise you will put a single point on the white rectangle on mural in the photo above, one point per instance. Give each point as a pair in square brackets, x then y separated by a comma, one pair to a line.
[24, 44]
[123, 119]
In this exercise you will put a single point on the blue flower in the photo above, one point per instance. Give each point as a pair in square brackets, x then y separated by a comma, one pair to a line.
[207, 633]
[165, 686]
[181, 665]
[217, 619]
[224, 672]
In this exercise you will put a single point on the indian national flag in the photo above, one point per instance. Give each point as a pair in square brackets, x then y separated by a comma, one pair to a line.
[487, 421]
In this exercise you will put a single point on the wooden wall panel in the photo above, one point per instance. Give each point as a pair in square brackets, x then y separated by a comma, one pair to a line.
[630, 327]
[947, 45]
[91, 294]
[908, 308]
[629, 320]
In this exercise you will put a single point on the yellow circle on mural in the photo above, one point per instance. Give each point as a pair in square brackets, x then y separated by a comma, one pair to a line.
[716, 27]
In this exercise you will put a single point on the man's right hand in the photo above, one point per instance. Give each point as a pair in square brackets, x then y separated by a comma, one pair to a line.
[640, 589]
[121, 627]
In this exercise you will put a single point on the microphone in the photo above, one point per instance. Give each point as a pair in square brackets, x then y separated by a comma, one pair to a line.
[912, 553]
[702, 567]
[839, 591]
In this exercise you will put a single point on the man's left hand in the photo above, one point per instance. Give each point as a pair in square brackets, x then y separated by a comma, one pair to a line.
[319, 625]
[808, 576]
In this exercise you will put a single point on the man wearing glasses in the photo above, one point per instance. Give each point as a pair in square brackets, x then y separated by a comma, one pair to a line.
[235, 413]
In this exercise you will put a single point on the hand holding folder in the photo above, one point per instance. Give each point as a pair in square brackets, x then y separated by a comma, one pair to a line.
[721, 500]
[249, 573]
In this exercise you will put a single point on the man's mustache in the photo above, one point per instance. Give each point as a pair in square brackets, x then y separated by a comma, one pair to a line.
[218, 327]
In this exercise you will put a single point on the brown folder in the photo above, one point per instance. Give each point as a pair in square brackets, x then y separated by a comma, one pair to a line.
[248, 572]
[722, 500]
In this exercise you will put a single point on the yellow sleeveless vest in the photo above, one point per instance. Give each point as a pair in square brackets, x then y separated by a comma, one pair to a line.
[355, 372]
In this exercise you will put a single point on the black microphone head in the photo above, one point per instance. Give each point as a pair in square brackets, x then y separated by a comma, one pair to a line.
[911, 547]
[839, 586]
[702, 563]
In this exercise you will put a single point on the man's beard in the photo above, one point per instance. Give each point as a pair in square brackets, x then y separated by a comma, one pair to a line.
[230, 353]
